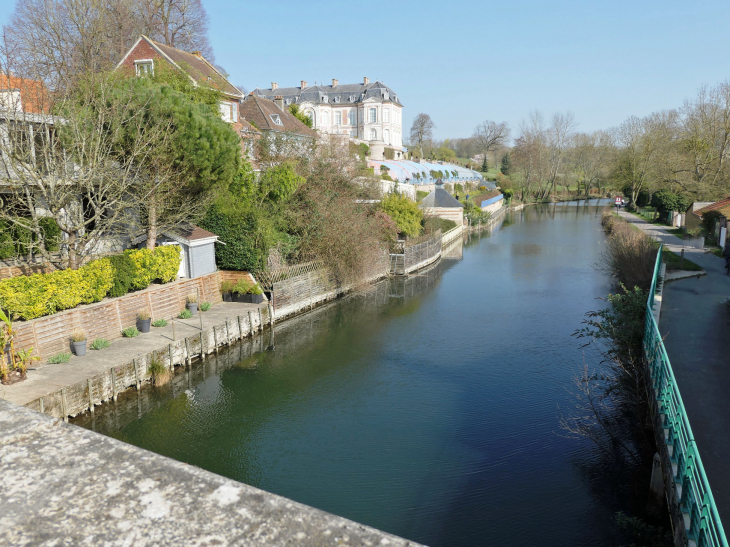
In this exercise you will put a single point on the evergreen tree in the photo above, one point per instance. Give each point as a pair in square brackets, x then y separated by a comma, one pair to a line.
[506, 165]
[485, 164]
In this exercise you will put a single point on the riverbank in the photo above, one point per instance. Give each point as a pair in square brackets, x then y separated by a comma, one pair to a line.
[66, 389]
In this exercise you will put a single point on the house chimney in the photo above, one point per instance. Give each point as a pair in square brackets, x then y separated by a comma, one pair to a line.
[274, 86]
[197, 54]
[279, 101]
[367, 80]
[304, 83]
[334, 82]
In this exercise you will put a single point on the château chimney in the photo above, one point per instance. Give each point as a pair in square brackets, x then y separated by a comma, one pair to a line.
[279, 101]
[304, 83]
[334, 82]
[367, 80]
[274, 86]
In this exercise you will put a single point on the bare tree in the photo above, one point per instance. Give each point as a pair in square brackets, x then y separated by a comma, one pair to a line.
[490, 136]
[59, 40]
[422, 130]
[591, 154]
[68, 169]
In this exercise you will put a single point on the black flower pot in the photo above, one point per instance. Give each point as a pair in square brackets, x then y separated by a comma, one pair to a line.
[79, 348]
[256, 298]
[227, 297]
[239, 297]
[144, 325]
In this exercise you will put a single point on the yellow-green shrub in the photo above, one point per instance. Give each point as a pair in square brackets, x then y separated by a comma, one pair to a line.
[32, 296]
[167, 262]
[144, 267]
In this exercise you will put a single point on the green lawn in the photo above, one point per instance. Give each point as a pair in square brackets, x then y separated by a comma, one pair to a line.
[672, 261]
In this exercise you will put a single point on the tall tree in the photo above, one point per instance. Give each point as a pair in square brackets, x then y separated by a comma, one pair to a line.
[506, 164]
[59, 40]
[422, 131]
[490, 136]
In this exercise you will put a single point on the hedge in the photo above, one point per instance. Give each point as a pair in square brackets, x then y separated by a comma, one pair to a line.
[28, 297]
[16, 240]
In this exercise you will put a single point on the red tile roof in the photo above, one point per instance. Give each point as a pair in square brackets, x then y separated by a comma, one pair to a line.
[191, 232]
[713, 207]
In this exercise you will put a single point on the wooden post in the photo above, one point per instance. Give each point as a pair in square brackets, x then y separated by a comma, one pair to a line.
[271, 314]
[64, 409]
[261, 319]
[240, 327]
[200, 312]
[202, 349]
[215, 340]
[114, 383]
[228, 334]
[43, 409]
[91, 397]
[173, 329]
[250, 322]
[170, 353]
[136, 372]
[187, 352]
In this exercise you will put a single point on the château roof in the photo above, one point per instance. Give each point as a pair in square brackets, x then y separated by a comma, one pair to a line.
[326, 94]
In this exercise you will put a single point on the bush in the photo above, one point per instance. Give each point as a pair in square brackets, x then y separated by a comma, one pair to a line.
[159, 323]
[99, 343]
[629, 255]
[130, 332]
[242, 250]
[144, 267]
[185, 314]
[404, 212]
[28, 297]
[124, 273]
[167, 260]
[60, 358]
[17, 241]
[204, 306]
[159, 372]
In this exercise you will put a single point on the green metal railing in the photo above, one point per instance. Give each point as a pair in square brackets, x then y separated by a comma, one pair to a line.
[691, 487]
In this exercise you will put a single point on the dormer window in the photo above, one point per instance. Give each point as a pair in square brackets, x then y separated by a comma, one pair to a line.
[352, 98]
[325, 98]
[276, 119]
[144, 67]
[337, 99]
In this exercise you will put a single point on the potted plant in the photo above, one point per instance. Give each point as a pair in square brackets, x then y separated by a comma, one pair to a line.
[144, 320]
[241, 290]
[192, 303]
[226, 290]
[78, 341]
[256, 294]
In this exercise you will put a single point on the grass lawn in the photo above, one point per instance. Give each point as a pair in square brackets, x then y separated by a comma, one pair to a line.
[672, 261]
[647, 214]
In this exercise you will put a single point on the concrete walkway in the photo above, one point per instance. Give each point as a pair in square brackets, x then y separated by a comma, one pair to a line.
[695, 324]
[45, 378]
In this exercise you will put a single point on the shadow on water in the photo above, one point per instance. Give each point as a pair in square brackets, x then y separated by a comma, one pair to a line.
[425, 406]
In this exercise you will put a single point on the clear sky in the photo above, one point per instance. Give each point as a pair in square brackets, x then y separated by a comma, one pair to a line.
[466, 61]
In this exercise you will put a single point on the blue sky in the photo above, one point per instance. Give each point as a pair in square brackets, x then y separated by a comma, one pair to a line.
[463, 62]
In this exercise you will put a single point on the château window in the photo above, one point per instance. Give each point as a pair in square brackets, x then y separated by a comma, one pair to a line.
[276, 119]
[386, 114]
[386, 136]
[373, 135]
[353, 117]
[325, 119]
[144, 67]
[338, 118]
[373, 115]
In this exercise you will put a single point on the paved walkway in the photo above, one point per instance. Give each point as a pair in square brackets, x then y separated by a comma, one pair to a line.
[45, 378]
[695, 324]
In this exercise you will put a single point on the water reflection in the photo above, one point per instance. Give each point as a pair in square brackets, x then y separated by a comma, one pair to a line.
[424, 406]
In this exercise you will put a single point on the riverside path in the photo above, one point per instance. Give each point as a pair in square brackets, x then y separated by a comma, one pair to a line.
[695, 324]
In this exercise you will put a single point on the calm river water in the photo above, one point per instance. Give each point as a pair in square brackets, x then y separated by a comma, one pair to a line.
[425, 407]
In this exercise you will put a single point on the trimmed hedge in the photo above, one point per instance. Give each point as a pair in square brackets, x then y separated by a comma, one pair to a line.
[28, 297]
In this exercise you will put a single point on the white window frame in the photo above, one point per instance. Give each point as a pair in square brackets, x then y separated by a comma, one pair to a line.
[352, 117]
[373, 135]
[338, 118]
[325, 119]
[373, 115]
[386, 115]
[138, 63]
[386, 136]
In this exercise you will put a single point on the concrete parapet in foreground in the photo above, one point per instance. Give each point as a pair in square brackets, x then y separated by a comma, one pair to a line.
[64, 485]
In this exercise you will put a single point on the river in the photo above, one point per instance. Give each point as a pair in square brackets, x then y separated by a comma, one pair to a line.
[426, 407]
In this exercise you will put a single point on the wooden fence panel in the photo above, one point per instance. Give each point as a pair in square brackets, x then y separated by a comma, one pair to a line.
[51, 335]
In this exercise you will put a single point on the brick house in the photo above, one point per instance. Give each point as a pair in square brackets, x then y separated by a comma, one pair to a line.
[145, 53]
